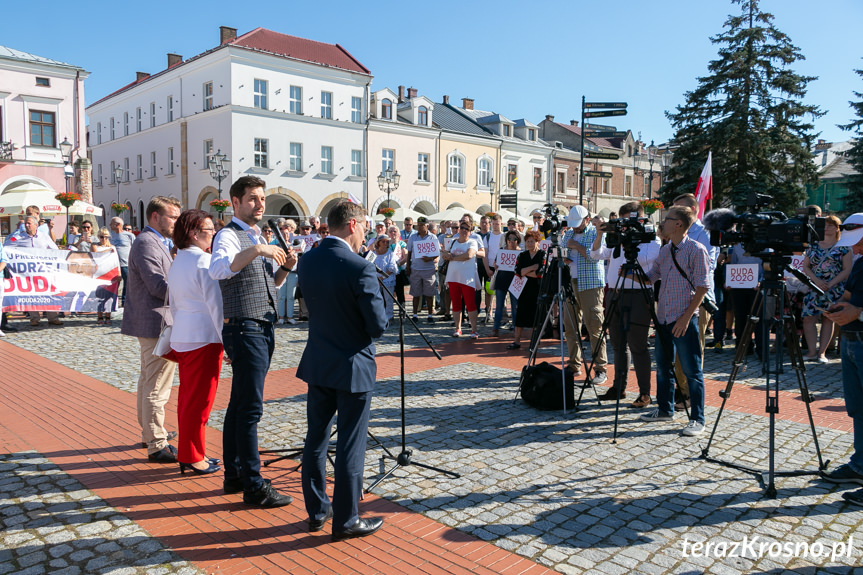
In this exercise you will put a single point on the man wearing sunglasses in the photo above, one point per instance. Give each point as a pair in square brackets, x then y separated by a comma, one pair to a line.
[848, 313]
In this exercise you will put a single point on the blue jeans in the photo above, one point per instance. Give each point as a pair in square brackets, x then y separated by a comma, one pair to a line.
[688, 350]
[852, 382]
[124, 273]
[500, 299]
[249, 344]
[285, 306]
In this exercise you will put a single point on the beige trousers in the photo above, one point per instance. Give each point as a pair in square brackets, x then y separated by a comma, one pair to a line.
[682, 382]
[588, 305]
[154, 391]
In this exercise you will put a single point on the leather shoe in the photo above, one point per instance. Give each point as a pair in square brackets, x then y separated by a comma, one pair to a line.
[612, 395]
[266, 496]
[171, 435]
[361, 528]
[167, 454]
[231, 486]
[318, 524]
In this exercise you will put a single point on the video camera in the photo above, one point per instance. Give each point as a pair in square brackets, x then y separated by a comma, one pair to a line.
[760, 231]
[552, 224]
[629, 232]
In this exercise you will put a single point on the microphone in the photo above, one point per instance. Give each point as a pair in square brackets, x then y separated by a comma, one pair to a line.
[273, 225]
[719, 220]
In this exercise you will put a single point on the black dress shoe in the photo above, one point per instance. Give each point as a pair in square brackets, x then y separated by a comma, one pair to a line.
[318, 524]
[167, 454]
[212, 468]
[171, 436]
[361, 528]
[232, 486]
[611, 395]
[8, 328]
[266, 496]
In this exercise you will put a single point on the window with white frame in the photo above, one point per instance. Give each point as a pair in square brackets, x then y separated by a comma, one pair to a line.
[98, 132]
[111, 127]
[512, 176]
[483, 172]
[386, 109]
[125, 123]
[139, 167]
[138, 119]
[561, 183]
[507, 130]
[423, 116]
[388, 160]
[537, 179]
[42, 129]
[296, 100]
[627, 186]
[422, 167]
[357, 163]
[296, 157]
[327, 105]
[356, 110]
[326, 159]
[152, 114]
[606, 186]
[455, 169]
[531, 134]
[261, 150]
[208, 153]
[112, 175]
[170, 161]
[99, 175]
[126, 174]
[152, 164]
[261, 94]
[170, 108]
[208, 96]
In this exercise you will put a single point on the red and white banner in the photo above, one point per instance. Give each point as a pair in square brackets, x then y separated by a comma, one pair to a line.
[704, 190]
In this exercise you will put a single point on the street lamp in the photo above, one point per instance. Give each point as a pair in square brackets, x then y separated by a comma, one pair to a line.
[118, 175]
[66, 153]
[219, 168]
[491, 184]
[651, 157]
[388, 181]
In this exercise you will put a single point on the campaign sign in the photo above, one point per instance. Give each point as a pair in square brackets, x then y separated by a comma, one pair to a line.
[517, 286]
[308, 241]
[797, 264]
[60, 280]
[506, 260]
[544, 245]
[741, 275]
[427, 248]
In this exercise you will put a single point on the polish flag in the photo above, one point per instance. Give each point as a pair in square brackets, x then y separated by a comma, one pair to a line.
[353, 199]
[704, 190]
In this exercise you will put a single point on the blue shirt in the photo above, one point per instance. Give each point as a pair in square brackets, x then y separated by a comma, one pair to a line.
[699, 234]
[854, 286]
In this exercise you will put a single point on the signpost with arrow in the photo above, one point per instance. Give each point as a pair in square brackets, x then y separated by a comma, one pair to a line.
[598, 110]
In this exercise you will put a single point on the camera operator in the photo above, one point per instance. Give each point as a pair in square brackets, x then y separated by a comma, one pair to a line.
[588, 285]
[680, 262]
[631, 305]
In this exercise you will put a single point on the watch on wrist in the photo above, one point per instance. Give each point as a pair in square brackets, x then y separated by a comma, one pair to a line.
[282, 267]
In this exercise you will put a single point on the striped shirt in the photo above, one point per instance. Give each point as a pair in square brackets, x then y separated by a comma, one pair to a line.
[591, 272]
[676, 294]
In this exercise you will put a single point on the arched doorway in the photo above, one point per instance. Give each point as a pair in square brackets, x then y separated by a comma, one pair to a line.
[284, 203]
[425, 207]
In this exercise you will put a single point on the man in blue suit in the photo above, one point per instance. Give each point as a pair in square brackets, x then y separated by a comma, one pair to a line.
[346, 313]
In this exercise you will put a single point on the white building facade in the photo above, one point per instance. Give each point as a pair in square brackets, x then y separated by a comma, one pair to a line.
[288, 110]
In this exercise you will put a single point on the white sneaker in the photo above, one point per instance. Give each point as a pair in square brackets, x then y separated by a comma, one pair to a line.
[655, 415]
[280, 322]
[599, 378]
[292, 321]
[2, 334]
[693, 428]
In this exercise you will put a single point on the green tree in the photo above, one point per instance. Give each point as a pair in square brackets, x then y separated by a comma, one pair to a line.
[749, 111]
[854, 199]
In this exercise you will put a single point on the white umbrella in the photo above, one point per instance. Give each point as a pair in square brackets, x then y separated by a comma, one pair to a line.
[15, 200]
[453, 214]
[507, 215]
[402, 213]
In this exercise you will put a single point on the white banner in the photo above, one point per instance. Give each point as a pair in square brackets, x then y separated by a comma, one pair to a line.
[741, 275]
[426, 248]
[506, 260]
[308, 241]
[797, 264]
[517, 286]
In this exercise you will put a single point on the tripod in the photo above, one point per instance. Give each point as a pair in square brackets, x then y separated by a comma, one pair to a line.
[771, 295]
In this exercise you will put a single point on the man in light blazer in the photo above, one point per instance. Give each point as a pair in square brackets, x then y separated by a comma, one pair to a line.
[346, 313]
[149, 262]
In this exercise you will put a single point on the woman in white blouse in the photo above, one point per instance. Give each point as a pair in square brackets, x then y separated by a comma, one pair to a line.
[462, 278]
[196, 336]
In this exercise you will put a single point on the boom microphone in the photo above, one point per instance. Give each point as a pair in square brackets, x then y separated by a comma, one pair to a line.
[719, 220]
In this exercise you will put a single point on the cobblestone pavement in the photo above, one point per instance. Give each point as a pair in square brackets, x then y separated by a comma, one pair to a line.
[547, 486]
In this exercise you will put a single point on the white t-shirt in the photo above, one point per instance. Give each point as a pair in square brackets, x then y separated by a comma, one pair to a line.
[493, 244]
[463, 272]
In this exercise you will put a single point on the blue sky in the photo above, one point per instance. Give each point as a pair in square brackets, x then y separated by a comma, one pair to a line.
[521, 59]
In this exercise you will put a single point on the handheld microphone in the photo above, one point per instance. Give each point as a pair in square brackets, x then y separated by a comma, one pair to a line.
[273, 225]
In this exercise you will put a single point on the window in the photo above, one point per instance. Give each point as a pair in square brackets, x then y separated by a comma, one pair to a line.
[112, 128]
[423, 167]
[126, 174]
[386, 109]
[326, 160]
[356, 163]
[537, 179]
[296, 158]
[627, 186]
[296, 100]
[507, 130]
[388, 160]
[356, 110]
[531, 134]
[125, 123]
[42, 129]
[261, 146]
[113, 178]
[138, 118]
[455, 174]
[208, 96]
[152, 114]
[208, 153]
[512, 176]
[98, 132]
[423, 116]
[327, 105]
[261, 94]
[561, 182]
[139, 168]
[483, 172]
[170, 161]
[152, 164]
[99, 175]
[46, 82]
[170, 108]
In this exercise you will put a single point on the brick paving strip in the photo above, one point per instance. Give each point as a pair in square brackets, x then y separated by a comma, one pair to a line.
[538, 485]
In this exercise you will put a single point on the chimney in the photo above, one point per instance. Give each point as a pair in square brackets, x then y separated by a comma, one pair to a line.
[573, 122]
[412, 92]
[445, 99]
[401, 94]
[467, 103]
[141, 75]
[226, 34]
[174, 59]
[549, 117]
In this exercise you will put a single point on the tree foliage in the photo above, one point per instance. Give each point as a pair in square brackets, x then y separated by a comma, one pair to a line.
[854, 199]
[749, 111]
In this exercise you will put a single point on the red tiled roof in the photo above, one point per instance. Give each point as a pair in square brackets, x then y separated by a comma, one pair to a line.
[331, 55]
[601, 142]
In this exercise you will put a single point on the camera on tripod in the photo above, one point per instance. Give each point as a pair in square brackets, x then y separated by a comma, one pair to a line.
[552, 224]
[629, 232]
[760, 231]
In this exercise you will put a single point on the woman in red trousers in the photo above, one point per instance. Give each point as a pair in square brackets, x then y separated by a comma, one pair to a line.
[196, 336]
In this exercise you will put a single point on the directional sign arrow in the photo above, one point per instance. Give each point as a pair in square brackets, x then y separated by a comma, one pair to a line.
[594, 174]
[603, 134]
[603, 113]
[598, 127]
[605, 104]
[601, 156]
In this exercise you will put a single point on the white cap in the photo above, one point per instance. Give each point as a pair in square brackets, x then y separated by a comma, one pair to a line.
[576, 216]
[851, 237]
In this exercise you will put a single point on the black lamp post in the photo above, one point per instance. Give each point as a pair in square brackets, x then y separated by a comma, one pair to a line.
[66, 152]
[388, 181]
[118, 175]
[491, 184]
[651, 157]
[219, 168]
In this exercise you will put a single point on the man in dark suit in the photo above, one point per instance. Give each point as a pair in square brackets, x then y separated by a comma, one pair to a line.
[149, 262]
[346, 313]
